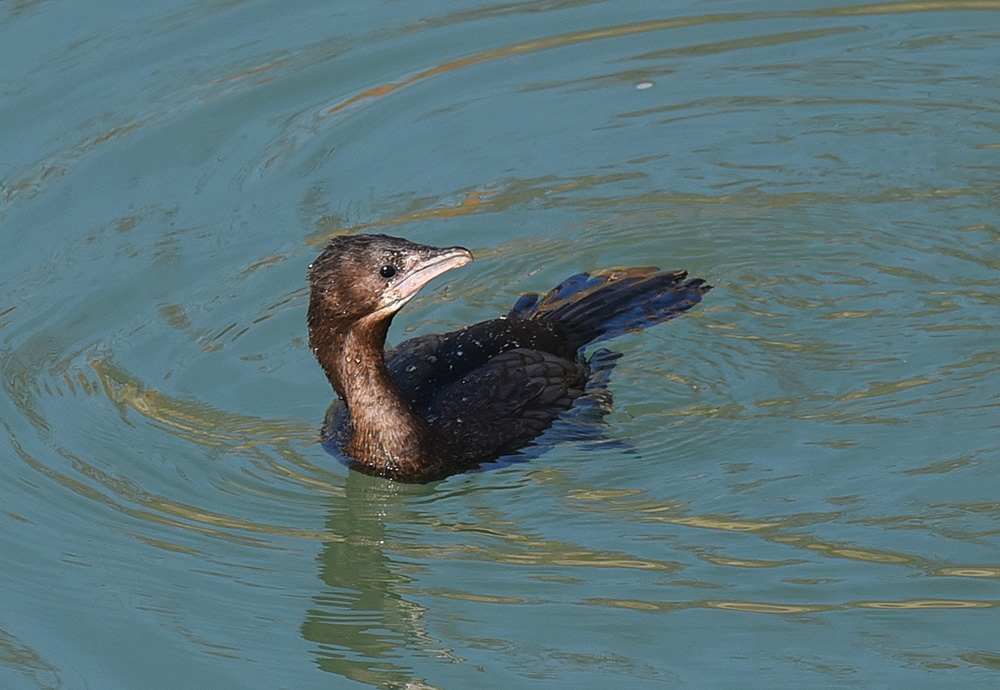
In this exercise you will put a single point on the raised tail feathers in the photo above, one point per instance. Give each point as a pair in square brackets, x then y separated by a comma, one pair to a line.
[595, 308]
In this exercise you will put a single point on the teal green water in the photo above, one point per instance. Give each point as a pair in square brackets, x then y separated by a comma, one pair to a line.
[801, 488]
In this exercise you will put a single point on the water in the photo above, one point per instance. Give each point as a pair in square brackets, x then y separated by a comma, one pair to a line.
[800, 488]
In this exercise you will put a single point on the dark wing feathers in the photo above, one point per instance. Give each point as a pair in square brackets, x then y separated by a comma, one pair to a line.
[422, 365]
[521, 392]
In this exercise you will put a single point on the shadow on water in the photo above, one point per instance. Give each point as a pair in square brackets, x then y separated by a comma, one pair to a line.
[361, 623]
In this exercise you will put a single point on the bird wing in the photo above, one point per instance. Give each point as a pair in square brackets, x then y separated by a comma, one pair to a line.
[505, 403]
[421, 367]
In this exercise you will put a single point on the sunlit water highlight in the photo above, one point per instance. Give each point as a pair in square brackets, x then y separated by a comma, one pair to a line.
[796, 487]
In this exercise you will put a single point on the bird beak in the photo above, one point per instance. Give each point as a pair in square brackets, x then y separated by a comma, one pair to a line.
[429, 266]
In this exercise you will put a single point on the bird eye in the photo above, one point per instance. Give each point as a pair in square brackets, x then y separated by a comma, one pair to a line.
[387, 271]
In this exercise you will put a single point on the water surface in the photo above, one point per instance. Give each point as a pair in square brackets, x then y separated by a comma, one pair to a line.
[797, 487]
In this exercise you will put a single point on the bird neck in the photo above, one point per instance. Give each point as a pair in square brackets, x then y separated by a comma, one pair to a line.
[386, 436]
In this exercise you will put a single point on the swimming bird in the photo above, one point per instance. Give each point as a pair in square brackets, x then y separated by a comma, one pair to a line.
[445, 403]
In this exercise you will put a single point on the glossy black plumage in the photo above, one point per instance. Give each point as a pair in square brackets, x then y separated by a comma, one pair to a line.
[444, 403]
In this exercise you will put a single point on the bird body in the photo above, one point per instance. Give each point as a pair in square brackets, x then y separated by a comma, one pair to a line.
[447, 402]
